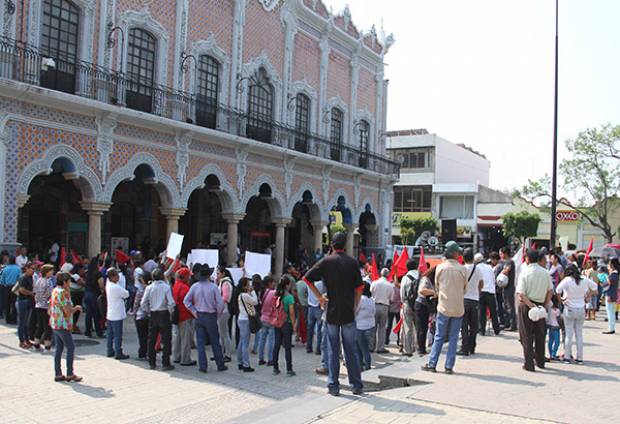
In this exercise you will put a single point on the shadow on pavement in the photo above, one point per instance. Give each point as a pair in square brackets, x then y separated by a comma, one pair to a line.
[91, 391]
[581, 376]
[502, 379]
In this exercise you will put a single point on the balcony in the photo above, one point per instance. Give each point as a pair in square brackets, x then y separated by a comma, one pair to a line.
[87, 80]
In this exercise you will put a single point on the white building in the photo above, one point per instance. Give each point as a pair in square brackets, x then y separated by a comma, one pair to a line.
[438, 178]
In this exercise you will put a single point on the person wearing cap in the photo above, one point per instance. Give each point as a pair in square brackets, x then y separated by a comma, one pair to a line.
[159, 304]
[471, 318]
[450, 285]
[534, 289]
[342, 279]
[182, 346]
[115, 296]
[487, 296]
[205, 302]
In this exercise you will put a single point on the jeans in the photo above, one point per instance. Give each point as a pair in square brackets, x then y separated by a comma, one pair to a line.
[314, 320]
[421, 324]
[265, 334]
[93, 317]
[469, 327]
[610, 308]
[487, 300]
[573, 322]
[115, 334]
[43, 331]
[364, 337]
[142, 328]
[501, 313]
[160, 325]
[349, 343]
[554, 341]
[206, 323]
[222, 328]
[447, 329]
[283, 338]
[509, 308]
[393, 318]
[243, 353]
[324, 346]
[63, 338]
[24, 309]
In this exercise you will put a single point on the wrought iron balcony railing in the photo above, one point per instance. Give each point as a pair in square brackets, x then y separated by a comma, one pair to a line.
[87, 80]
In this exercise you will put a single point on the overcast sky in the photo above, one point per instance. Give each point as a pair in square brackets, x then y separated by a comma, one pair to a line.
[480, 72]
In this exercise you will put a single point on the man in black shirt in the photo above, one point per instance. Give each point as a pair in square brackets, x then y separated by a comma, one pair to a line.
[341, 276]
[508, 268]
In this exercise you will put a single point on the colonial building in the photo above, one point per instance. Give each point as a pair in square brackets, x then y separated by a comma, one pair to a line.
[240, 119]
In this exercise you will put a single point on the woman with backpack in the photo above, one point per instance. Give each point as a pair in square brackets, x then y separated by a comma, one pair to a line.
[283, 322]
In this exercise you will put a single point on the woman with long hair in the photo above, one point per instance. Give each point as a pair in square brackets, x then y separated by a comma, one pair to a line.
[572, 292]
[94, 288]
[425, 305]
[284, 334]
[225, 283]
[247, 302]
[42, 294]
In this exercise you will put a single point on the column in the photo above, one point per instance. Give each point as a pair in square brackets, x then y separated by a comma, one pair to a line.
[317, 228]
[280, 224]
[172, 219]
[95, 211]
[350, 238]
[232, 237]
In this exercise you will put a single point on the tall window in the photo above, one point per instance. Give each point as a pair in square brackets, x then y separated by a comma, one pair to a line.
[59, 40]
[412, 198]
[207, 89]
[260, 108]
[415, 160]
[364, 132]
[302, 122]
[456, 207]
[337, 120]
[140, 70]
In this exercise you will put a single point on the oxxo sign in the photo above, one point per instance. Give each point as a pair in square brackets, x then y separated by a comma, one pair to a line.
[567, 216]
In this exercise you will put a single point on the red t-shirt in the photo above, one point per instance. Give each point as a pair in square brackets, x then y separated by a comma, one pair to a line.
[179, 290]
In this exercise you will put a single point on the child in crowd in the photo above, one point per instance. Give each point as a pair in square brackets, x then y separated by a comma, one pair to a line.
[553, 327]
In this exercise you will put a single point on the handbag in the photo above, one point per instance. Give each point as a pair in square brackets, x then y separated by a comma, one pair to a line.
[15, 289]
[255, 324]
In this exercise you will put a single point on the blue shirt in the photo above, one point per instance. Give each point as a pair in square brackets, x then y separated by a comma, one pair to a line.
[204, 296]
[10, 275]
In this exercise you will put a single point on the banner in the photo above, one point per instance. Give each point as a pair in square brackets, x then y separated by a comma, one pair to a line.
[257, 263]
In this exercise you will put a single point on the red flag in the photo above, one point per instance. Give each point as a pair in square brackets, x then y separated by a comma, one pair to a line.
[401, 264]
[76, 258]
[585, 259]
[374, 270]
[397, 327]
[394, 260]
[422, 268]
[461, 261]
[121, 257]
[63, 256]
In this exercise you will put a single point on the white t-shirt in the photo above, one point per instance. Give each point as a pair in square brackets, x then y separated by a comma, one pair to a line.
[573, 295]
[312, 300]
[472, 292]
[365, 314]
[382, 291]
[21, 261]
[488, 277]
[116, 296]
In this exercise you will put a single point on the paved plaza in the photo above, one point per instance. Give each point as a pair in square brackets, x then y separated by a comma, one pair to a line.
[484, 389]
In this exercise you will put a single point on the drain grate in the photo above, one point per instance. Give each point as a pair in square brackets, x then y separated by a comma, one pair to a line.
[389, 382]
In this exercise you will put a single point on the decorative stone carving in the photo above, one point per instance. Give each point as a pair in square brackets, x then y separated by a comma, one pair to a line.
[106, 123]
[324, 47]
[242, 169]
[325, 175]
[357, 179]
[183, 140]
[346, 16]
[290, 23]
[269, 5]
[180, 41]
[237, 48]
[289, 165]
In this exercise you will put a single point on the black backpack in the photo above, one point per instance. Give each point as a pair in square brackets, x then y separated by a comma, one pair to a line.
[233, 305]
[411, 294]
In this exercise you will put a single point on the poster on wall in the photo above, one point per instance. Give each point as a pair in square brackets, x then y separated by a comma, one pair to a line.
[121, 243]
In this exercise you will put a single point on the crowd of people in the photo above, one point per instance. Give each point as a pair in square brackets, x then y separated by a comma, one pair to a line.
[340, 308]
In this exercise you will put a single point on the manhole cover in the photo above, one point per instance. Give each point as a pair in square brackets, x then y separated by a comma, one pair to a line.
[85, 342]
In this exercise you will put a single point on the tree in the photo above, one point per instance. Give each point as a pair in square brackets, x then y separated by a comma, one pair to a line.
[411, 229]
[592, 174]
[521, 225]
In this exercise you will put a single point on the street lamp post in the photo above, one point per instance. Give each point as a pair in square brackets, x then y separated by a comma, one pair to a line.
[554, 182]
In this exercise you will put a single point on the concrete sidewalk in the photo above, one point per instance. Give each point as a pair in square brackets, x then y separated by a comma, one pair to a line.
[487, 387]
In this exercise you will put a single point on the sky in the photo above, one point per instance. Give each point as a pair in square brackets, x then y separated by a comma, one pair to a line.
[481, 72]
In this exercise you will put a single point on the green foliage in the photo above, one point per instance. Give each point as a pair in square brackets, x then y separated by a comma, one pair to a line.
[411, 229]
[521, 224]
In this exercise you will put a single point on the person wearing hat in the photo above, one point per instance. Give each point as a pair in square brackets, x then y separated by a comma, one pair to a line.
[342, 279]
[450, 285]
[534, 289]
[205, 302]
[116, 313]
[182, 346]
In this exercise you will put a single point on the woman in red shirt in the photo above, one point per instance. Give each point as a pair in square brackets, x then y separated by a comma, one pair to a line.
[182, 344]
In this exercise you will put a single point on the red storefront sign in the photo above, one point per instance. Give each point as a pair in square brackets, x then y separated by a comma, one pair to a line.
[567, 216]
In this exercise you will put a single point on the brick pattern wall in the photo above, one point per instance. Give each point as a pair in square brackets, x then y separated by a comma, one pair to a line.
[306, 59]
[366, 91]
[339, 77]
[263, 32]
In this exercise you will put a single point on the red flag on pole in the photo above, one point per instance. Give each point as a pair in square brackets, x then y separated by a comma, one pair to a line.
[585, 259]
[374, 270]
[121, 257]
[394, 260]
[422, 268]
[401, 264]
[63, 256]
[397, 327]
[76, 258]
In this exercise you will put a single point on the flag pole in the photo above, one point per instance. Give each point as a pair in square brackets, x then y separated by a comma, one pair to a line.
[554, 182]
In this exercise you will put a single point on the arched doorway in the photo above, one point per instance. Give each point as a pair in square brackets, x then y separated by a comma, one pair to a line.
[203, 225]
[257, 229]
[52, 213]
[134, 220]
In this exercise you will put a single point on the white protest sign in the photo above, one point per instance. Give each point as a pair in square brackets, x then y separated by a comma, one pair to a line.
[236, 274]
[189, 260]
[257, 263]
[209, 257]
[174, 245]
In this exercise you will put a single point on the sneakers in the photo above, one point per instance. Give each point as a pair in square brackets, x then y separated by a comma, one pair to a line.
[321, 371]
[276, 371]
[248, 369]
[333, 392]
[428, 368]
[167, 368]
[291, 373]
[449, 371]
[224, 368]
[262, 362]
[121, 357]
[462, 353]
[358, 391]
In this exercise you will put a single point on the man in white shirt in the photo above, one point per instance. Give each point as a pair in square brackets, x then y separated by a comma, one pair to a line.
[115, 296]
[22, 259]
[314, 319]
[383, 293]
[469, 327]
[487, 296]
